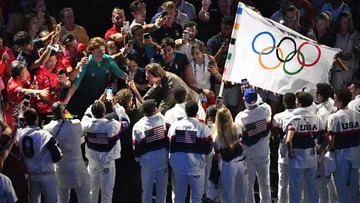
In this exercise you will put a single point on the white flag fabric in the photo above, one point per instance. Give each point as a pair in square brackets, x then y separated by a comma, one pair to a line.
[274, 57]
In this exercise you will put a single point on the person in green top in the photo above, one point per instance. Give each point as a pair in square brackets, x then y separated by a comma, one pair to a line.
[95, 74]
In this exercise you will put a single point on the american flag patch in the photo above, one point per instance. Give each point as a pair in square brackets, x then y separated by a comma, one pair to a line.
[256, 128]
[97, 138]
[155, 134]
[184, 136]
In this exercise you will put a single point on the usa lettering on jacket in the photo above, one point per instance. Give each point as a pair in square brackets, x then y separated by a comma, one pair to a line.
[350, 125]
[308, 127]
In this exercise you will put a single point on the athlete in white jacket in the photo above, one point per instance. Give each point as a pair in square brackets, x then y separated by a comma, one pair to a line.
[151, 150]
[102, 148]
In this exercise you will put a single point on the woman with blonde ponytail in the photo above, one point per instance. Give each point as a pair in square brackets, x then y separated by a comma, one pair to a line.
[229, 154]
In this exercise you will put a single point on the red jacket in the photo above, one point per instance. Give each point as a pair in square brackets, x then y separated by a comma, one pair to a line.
[5, 66]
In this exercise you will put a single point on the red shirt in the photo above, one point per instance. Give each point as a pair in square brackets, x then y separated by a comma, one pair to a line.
[5, 67]
[112, 31]
[45, 79]
[72, 60]
[13, 90]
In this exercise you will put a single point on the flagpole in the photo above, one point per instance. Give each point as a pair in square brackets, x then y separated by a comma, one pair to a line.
[233, 36]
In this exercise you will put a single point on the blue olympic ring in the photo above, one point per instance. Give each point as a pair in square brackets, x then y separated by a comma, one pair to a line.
[263, 33]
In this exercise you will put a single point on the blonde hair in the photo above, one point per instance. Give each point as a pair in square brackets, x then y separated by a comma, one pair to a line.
[225, 129]
[168, 5]
[95, 43]
[118, 11]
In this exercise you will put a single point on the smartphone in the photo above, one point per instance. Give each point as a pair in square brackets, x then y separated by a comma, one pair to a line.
[26, 100]
[126, 26]
[132, 43]
[186, 34]
[164, 13]
[61, 71]
[109, 94]
[211, 63]
[146, 35]
[219, 101]
[207, 1]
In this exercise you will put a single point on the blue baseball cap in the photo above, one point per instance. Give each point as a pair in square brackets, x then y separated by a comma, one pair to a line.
[250, 96]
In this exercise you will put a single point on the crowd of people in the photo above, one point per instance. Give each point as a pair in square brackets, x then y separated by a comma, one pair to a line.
[112, 116]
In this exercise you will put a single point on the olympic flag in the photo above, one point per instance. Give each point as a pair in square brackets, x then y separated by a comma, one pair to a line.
[274, 57]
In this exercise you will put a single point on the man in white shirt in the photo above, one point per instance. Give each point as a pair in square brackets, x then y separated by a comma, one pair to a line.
[184, 7]
[71, 172]
[355, 92]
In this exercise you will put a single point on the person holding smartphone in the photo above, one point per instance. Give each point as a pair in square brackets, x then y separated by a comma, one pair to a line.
[200, 71]
[51, 75]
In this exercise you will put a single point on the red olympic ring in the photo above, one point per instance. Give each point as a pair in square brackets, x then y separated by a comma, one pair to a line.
[311, 64]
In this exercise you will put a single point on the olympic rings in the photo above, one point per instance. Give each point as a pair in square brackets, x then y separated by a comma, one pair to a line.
[300, 69]
[311, 64]
[262, 53]
[289, 57]
[262, 33]
[294, 53]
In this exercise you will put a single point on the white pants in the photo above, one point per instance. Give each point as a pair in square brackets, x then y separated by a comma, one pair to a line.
[101, 177]
[283, 186]
[296, 175]
[147, 179]
[45, 184]
[234, 182]
[258, 167]
[196, 187]
[346, 176]
[82, 192]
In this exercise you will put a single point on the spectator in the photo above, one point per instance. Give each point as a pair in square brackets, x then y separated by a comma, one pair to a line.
[170, 28]
[116, 32]
[184, 7]
[143, 49]
[102, 147]
[188, 39]
[95, 74]
[354, 88]
[138, 11]
[292, 19]
[40, 151]
[200, 71]
[7, 57]
[74, 57]
[46, 22]
[7, 192]
[229, 152]
[307, 13]
[163, 84]
[346, 36]
[190, 143]
[17, 87]
[128, 172]
[218, 47]
[278, 16]
[67, 18]
[28, 54]
[70, 170]
[16, 20]
[321, 31]
[151, 150]
[211, 20]
[31, 25]
[171, 60]
[180, 17]
[335, 8]
[137, 74]
[47, 76]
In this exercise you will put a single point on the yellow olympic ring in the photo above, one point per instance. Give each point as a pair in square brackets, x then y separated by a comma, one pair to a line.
[267, 67]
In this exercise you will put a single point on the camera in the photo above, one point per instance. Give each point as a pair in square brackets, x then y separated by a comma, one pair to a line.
[61, 71]
[219, 101]
[146, 35]
[109, 94]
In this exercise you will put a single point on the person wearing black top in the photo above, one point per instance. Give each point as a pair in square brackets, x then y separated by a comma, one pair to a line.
[127, 187]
